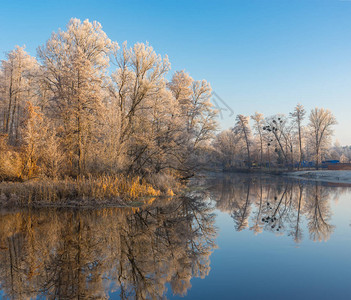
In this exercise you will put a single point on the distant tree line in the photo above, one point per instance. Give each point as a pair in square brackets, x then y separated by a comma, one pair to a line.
[279, 140]
[86, 105]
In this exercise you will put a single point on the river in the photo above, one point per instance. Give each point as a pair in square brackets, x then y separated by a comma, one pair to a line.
[231, 236]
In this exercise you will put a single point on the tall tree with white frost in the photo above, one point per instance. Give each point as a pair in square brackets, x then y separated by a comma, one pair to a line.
[16, 89]
[280, 132]
[258, 127]
[242, 127]
[75, 63]
[320, 130]
[197, 115]
[138, 84]
[298, 116]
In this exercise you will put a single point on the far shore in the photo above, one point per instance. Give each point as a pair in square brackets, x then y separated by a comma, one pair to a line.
[334, 176]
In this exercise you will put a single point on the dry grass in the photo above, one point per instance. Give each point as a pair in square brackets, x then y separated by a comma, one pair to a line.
[81, 191]
[11, 163]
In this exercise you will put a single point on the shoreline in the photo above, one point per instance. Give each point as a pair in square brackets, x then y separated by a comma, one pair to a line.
[332, 176]
[103, 191]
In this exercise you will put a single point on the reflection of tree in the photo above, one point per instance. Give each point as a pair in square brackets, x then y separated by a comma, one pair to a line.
[71, 254]
[297, 232]
[235, 199]
[277, 205]
[257, 226]
[242, 210]
[319, 214]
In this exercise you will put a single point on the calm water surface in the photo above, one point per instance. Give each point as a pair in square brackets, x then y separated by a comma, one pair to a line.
[232, 237]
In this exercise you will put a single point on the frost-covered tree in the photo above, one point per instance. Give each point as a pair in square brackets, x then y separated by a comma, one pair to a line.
[75, 63]
[298, 116]
[280, 130]
[242, 127]
[320, 126]
[198, 118]
[227, 146]
[180, 85]
[258, 125]
[130, 119]
[16, 82]
[140, 98]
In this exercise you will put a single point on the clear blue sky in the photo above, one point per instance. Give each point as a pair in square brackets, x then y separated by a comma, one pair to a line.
[258, 55]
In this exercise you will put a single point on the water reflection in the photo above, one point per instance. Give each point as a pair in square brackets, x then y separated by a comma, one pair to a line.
[140, 253]
[80, 254]
[279, 205]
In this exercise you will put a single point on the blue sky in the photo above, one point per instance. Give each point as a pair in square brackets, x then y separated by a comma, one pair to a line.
[258, 55]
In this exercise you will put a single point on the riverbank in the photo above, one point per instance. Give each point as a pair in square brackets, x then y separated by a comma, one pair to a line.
[334, 176]
[84, 191]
